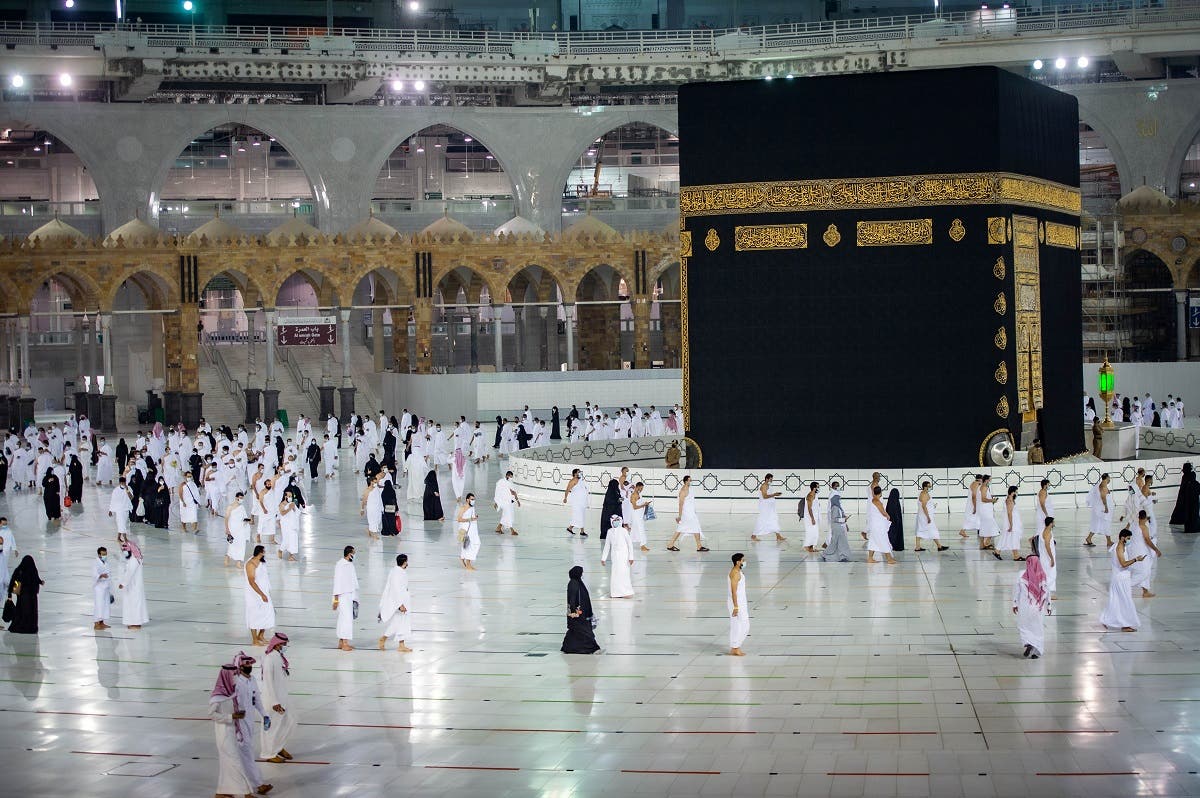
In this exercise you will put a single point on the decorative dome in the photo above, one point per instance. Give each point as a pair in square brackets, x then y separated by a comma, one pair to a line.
[135, 232]
[371, 228]
[1145, 198]
[519, 226]
[216, 230]
[289, 231]
[56, 231]
[590, 227]
[445, 229]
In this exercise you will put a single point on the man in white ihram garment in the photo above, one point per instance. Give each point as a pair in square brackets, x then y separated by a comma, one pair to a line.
[237, 529]
[878, 524]
[395, 607]
[618, 545]
[345, 596]
[120, 506]
[260, 609]
[101, 589]
[737, 606]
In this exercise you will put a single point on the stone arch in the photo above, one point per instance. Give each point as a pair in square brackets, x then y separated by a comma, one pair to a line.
[324, 285]
[250, 288]
[535, 279]
[281, 135]
[1187, 139]
[603, 124]
[1092, 176]
[403, 133]
[1152, 304]
[669, 271]
[78, 143]
[156, 284]
[9, 295]
[467, 276]
[1111, 140]
[395, 282]
[601, 281]
[85, 293]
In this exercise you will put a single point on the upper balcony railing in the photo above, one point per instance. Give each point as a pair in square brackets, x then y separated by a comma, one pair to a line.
[542, 46]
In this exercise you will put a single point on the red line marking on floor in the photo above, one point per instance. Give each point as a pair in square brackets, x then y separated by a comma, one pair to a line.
[1073, 731]
[468, 767]
[109, 753]
[676, 772]
[357, 725]
[1115, 773]
[899, 732]
[876, 774]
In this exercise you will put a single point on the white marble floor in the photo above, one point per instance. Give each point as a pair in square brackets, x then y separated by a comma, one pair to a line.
[860, 680]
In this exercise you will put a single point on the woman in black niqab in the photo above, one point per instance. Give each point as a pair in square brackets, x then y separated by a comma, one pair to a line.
[1187, 505]
[580, 639]
[75, 480]
[25, 620]
[499, 429]
[896, 513]
[52, 496]
[612, 506]
[554, 433]
[122, 455]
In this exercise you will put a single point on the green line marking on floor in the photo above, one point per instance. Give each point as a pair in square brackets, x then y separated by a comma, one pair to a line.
[877, 703]
[1061, 701]
[555, 701]
[745, 677]
[717, 704]
[448, 673]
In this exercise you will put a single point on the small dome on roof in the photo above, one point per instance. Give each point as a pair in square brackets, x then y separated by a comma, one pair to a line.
[132, 233]
[216, 229]
[289, 231]
[371, 228]
[56, 231]
[1145, 198]
[519, 226]
[447, 228]
[590, 227]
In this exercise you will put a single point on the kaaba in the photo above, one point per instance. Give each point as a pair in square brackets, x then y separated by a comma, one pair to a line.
[879, 269]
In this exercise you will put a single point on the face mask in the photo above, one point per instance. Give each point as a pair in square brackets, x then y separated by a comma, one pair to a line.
[128, 554]
[247, 670]
[104, 558]
[350, 558]
[472, 502]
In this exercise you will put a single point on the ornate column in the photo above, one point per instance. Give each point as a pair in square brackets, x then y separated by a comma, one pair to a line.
[173, 388]
[270, 392]
[191, 399]
[1181, 298]
[78, 334]
[400, 340]
[473, 321]
[346, 391]
[423, 315]
[253, 394]
[641, 332]
[670, 316]
[569, 323]
[27, 399]
[377, 350]
[108, 401]
[93, 399]
[498, 335]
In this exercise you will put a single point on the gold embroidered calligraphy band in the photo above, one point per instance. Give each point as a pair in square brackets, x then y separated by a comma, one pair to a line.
[1062, 235]
[908, 191]
[770, 236]
[900, 232]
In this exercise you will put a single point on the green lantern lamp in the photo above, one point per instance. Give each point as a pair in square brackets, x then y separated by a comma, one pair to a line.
[1107, 383]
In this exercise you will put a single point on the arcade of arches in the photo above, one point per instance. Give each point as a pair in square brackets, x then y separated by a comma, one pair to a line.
[433, 302]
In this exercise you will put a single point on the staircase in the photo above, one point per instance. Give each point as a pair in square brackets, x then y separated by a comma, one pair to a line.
[223, 401]
[306, 361]
[234, 360]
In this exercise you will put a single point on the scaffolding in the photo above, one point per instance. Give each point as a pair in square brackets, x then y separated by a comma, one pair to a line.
[1107, 309]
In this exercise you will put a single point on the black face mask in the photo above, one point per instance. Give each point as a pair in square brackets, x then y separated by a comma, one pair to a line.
[350, 558]
[247, 670]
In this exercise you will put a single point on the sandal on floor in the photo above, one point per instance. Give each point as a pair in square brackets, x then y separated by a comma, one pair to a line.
[918, 549]
[672, 548]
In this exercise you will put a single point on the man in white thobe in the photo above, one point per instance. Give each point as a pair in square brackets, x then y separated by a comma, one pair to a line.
[505, 500]
[329, 456]
[101, 590]
[395, 607]
[279, 720]
[345, 596]
[120, 506]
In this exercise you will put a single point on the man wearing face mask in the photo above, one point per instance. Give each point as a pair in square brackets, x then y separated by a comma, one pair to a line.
[101, 590]
[279, 720]
[345, 597]
[8, 547]
[247, 697]
[395, 610]
[738, 606]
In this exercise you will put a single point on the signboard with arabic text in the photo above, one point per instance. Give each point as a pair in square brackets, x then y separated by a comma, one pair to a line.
[323, 334]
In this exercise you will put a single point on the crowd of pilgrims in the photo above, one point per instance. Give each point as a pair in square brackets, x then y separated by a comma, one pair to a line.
[260, 472]
[1141, 411]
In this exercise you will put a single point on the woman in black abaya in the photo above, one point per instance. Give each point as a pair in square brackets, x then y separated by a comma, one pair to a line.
[23, 589]
[122, 455]
[554, 433]
[161, 504]
[896, 513]
[52, 496]
[432, 502]
[389, 508]
[499, 429]
[1187, 506]
[580, 639]
[612, 506]
[75, 480]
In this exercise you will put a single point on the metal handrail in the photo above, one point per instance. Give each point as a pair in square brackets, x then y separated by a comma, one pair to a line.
[968, 24]
[227, 380]
[306, 385]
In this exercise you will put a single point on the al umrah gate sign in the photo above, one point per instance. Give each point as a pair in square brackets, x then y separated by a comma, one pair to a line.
[306, 332]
